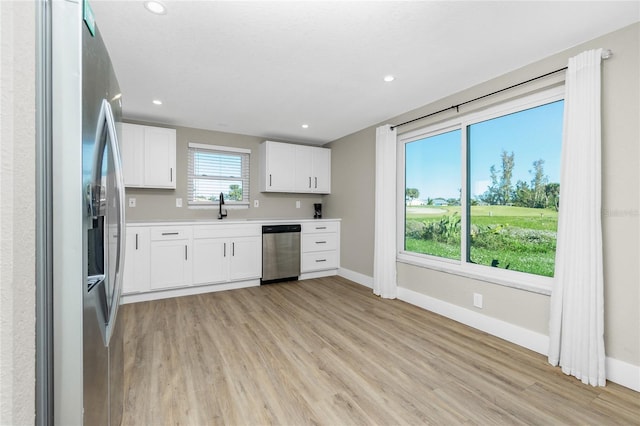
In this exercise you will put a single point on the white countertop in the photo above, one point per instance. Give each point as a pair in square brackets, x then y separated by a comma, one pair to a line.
[260, 221]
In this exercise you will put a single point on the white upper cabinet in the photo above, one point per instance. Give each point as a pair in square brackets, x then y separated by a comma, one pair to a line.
[148, 156]
[294, 168]
[160, 157]
[303, 168]
[276, 167]
[322, 170]
[132, 153]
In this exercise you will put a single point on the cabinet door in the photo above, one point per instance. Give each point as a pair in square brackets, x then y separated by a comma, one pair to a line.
[322, 170]
[210, 260]
[132, 153]
[279, 167]
[160, 157]
[136, 264]
[170, 264]
[303, 168]
[246, 258]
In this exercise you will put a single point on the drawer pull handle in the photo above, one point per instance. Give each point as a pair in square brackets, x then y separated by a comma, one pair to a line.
[170, 233]
[136, 241]
[186, 256]
[321, 227]
[320, 260]
[321, 242]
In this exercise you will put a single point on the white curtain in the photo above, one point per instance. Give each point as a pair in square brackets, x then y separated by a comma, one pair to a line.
[576, 327]
[384, 257]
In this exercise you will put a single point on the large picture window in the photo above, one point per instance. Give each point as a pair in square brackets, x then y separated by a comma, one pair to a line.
[432, 195]
[482, 193]
[215, 170]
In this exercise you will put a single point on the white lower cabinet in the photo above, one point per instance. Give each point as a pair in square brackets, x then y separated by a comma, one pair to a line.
[209, 265]
[136, 266]
[224, 253]
[170, 257]
[165, 260]
[320, 246]
[319, 261]
[246, 258]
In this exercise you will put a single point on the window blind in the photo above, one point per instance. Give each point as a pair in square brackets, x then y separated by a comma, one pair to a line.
[216, 170]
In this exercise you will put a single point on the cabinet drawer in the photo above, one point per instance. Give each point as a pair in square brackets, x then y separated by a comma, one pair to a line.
[320, 227]
[319, 261]
[170, 233]
[319, 242]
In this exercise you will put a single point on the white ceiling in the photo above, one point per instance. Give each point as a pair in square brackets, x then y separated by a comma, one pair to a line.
[264, 68]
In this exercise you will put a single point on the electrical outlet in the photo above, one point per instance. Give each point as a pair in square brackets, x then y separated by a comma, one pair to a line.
[256, 203]
[297, 204]
[178, 202]
[477, 300]
[132, 202]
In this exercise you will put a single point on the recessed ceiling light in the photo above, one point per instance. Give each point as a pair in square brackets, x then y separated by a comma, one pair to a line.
[157, 102]
[305, 126]
[156, 7]
[389, 78]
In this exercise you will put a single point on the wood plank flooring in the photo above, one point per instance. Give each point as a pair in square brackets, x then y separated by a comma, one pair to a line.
[329, 352]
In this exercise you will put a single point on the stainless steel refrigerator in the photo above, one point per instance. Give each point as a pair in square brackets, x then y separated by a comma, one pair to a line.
[104, 224]
[89, 222]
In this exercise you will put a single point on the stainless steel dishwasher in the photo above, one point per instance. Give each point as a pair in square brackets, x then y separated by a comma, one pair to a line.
[280, 253]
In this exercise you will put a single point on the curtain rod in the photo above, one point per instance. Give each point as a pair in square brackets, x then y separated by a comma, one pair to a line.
[606, 54]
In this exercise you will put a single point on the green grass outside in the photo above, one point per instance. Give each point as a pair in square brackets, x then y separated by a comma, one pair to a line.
[520, 238]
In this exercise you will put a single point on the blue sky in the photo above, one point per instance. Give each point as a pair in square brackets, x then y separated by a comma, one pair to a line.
[433, 164]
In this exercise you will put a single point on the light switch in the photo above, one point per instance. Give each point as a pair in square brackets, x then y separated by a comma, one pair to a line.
[178, 202]
[132, 202]
[256, 203]
[297, 204]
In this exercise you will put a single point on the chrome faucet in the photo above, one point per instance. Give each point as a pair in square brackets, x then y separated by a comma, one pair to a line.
[222, 213]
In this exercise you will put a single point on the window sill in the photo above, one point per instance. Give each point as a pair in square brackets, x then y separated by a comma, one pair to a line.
[512, 279]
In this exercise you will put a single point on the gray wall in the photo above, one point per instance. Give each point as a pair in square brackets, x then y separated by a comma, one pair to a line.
[17, 213]
[353, 200]
[160, 204]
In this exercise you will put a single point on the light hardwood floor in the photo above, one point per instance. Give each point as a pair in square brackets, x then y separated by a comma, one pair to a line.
[328, 352]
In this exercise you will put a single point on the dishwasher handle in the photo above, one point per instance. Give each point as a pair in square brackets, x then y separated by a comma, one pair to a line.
[279, 229]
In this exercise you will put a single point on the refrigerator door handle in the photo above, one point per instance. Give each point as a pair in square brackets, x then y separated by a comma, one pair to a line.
[106, 119]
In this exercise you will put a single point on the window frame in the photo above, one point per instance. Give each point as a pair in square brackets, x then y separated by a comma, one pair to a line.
[509, 278]
[246, 170]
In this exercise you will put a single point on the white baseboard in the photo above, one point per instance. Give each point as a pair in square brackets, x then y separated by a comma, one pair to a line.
[318, 274]
[356, 277]
[620, 372]
[512, 333]
[623, 373]
[185, 291]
